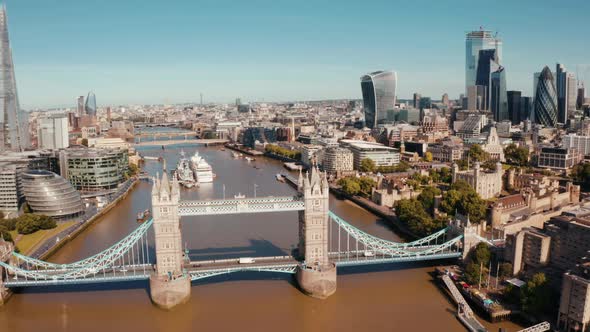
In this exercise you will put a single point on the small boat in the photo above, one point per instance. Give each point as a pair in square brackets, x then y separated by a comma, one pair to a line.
[235, 155]
[143, 216]
[280, 178]
[222, 149]
[239, 196]
[248, 159]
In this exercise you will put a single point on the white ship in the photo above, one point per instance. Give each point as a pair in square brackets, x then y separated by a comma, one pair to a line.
[201, 168]
[184, 173]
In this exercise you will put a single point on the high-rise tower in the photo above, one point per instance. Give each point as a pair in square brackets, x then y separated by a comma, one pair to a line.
[378, 96]
[14, 123]
[545, 104]
[475, 41]
[90, 106]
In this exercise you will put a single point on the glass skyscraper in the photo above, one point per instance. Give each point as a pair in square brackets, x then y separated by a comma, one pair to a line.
[476, 41]
[14, 123]
[561, 85]
[498, 100]
[90, 106]
[378, 90]
[545, 108]
[487, 64]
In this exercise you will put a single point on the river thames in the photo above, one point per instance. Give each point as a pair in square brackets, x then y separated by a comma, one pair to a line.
[395, 297]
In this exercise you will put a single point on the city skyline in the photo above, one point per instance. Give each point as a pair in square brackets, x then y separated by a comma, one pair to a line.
[164, 54]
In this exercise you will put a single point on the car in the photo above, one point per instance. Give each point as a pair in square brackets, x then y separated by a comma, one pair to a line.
[368, 254]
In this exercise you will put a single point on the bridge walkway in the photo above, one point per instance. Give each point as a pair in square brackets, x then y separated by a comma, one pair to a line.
[465, 314]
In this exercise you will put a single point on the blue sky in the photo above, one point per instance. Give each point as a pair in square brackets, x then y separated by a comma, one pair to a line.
[168, 51]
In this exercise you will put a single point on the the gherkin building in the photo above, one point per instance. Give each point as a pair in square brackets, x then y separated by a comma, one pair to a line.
[546, 99]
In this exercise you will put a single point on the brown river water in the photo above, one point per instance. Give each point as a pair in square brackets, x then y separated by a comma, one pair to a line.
[394, 297]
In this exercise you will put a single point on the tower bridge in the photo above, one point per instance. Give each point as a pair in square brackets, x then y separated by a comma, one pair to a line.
[326, 242]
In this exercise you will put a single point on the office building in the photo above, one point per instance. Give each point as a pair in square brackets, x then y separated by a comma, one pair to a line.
[561, 86]
[571, 93]
[337, 160]
[90, 106]
[580, 143]
[574, 304]
[53, 132]
[513, 98]
[526, 108]
[258, 135]
[11, 196]
[569, 240]
[476, 97]
[487, 64]
[581, 97]
[80, 106]
[545, 103]
[558, 158]
[378, 90]
[416, 100]
[49, 194]
[528, 248]
[498, 96]
[382, 155]
[90, 169]
[310, 154]
[472, 126]
[447, 151]
[14, 122]
[445, 100]
[476, 41]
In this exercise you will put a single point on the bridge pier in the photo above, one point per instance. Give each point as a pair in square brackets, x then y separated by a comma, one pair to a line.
[166, 293]
[317, 282]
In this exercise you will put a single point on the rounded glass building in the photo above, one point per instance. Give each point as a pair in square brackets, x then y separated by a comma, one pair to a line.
[49, 194]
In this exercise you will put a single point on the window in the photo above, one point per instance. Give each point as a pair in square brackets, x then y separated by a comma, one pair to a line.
[164, 209]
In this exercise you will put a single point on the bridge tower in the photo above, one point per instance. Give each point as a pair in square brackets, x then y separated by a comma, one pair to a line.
[316, 275]
[6, 249]
[169, 283]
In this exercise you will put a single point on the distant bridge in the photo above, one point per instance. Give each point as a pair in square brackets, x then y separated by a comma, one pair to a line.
[212, 141]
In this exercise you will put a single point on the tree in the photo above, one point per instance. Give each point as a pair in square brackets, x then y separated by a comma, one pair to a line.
[349, 186]
[411, 213]
[476, 153]
[367, 165]
[426, 197]
[428, 156]
[4, 233]
[516, 155]
[505, 270]
[535, 296]
[581, 173]
[84, 142]
[472, 273]
[482, 254]
[463, 199]
[366, 184]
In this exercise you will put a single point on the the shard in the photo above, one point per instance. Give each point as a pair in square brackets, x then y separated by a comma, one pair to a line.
[14, 123]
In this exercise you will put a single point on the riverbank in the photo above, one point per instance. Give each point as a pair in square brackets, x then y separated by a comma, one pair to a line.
[381, 211]
[68, 234]
[242, 150]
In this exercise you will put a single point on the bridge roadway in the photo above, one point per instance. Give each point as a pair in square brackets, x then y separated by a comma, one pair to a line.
[204, 269]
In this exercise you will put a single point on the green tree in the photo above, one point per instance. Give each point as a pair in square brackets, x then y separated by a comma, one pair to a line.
[581, 173]
[516, 155]
[428, 156]
[535, 296]
[84, 141]
[426, 197]
[505, 270]
[476, 153]
[482, 254]
[473, 206]
[349, 186]
[472, 273]
[5, 233]
[367, 165]
[366, 184]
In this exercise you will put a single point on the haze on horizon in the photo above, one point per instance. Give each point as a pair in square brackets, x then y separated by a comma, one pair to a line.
[156, 52]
